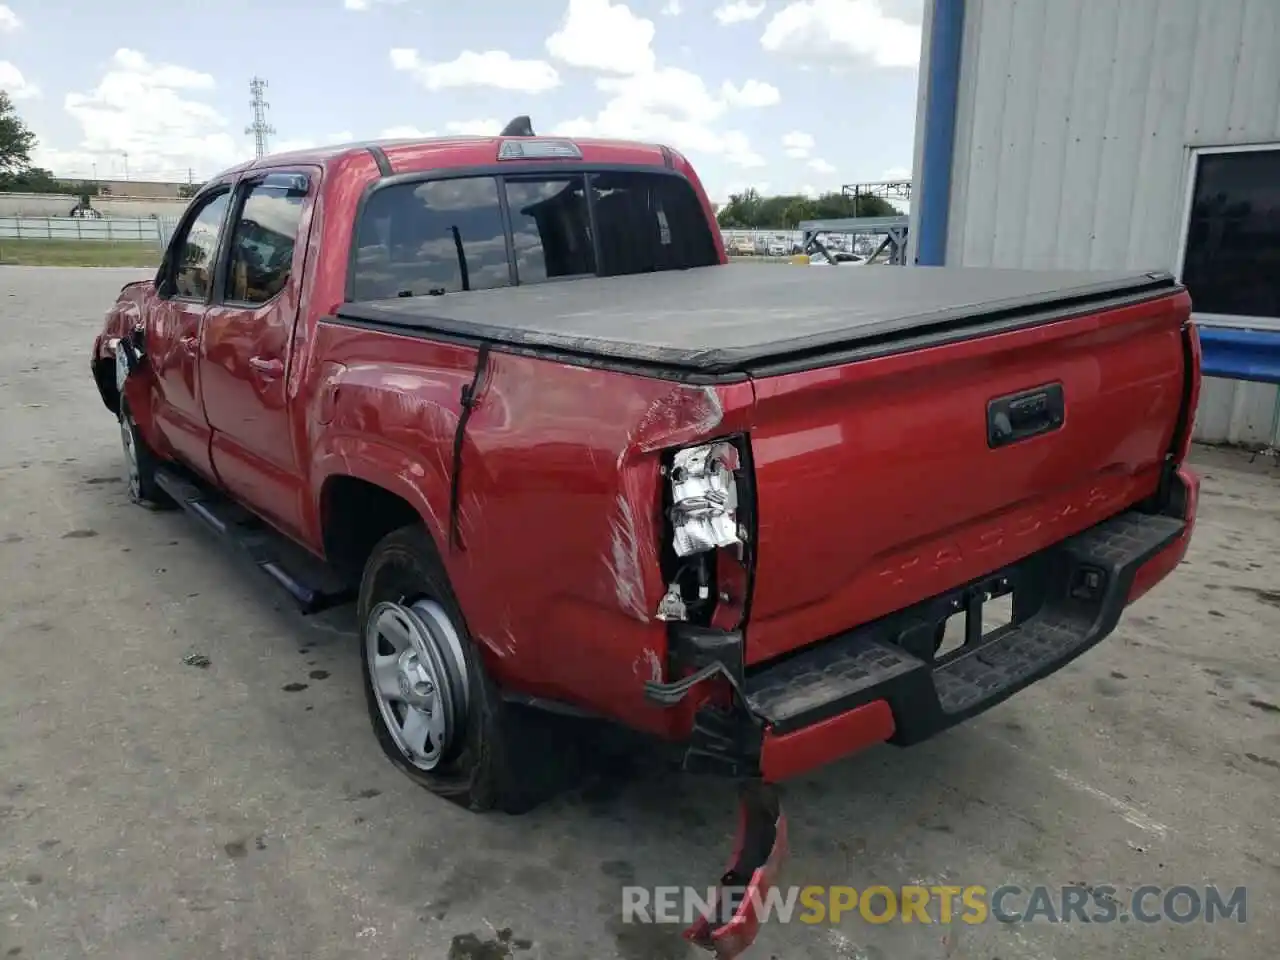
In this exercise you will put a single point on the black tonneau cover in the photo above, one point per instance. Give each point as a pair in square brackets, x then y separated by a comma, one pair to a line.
[741, 317]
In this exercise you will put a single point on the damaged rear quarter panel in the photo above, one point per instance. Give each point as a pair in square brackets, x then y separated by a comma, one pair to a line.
[389, 418]
[561, 517]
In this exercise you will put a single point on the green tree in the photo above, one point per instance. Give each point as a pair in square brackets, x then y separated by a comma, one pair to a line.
[748, 210]
[36, 180]
[742, 210]
[16, 139]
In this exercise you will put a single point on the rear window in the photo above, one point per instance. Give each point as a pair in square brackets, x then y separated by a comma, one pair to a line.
[445, 236]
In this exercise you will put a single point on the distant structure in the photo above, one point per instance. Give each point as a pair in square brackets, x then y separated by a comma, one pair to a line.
[883, 189]
[151, 189]
[259, 128]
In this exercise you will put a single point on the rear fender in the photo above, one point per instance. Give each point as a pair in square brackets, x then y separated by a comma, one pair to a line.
[405, 473]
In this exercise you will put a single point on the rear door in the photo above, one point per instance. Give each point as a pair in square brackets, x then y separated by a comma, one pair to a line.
[246, 350]
[174, 324]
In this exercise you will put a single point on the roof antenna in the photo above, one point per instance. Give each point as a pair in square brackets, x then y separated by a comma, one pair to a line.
[519, 127]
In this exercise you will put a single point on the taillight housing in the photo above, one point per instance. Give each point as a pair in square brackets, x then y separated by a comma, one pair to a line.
[704, 498]
[709, 505]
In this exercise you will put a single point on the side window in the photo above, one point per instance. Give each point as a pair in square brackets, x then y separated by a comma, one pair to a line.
[550, 229]
[262, 243]
[437, 237]
[196, 252]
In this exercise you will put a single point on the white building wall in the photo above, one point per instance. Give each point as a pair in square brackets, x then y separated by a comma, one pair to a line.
[1073, 136]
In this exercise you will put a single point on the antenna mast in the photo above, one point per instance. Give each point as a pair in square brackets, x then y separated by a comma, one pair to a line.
[259, 128]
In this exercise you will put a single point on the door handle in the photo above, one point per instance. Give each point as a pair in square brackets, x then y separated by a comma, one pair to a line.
[268, 367]
[189, 343]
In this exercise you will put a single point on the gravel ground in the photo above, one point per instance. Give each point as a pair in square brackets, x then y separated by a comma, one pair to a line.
[152, 809]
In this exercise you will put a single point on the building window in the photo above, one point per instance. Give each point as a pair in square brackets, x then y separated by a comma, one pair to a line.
[1231, 258]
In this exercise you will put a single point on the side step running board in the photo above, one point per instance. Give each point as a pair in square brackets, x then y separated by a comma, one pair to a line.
[312, 584]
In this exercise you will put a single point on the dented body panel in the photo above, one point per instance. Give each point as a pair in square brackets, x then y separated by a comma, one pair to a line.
[559, 518]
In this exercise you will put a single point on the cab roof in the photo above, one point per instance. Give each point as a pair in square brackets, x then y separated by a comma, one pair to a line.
[426, 153]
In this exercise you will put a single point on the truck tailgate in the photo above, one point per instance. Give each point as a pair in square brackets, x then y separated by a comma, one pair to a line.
[883, 481]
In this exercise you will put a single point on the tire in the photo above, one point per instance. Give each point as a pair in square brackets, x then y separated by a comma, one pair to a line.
[497, 756]
[140, 464]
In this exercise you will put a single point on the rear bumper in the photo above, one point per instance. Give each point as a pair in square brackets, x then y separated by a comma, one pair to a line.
[880, 682]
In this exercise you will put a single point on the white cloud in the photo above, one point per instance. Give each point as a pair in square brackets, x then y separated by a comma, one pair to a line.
[474, 128]
[737, 150]
[604, 36]
[492, 68]
[797, 144]
[670, 106]
[151, 113]
[407, 132]
[753, 93]
[819, 165]
[15, 84]
[290, 144]
[898, 173]
[666, 90]
[672, 8]
[842, 31]
[738, 11]
[9, 21]
[362, 5]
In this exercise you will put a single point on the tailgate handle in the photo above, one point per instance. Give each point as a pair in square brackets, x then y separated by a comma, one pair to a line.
[1020, 416]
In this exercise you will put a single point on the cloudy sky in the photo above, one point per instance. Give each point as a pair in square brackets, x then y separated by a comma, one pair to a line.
[785, 95]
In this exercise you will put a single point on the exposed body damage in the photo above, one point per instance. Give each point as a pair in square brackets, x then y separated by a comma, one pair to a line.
[625, 565]
[730, 508]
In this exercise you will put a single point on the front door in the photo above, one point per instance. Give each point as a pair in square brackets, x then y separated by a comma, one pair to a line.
[245, 348]
[173, 334]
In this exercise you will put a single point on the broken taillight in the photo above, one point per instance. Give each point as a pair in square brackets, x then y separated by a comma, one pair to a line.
[704, 498]
[706, 556]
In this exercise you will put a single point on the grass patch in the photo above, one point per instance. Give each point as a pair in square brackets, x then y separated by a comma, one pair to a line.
[79, 253]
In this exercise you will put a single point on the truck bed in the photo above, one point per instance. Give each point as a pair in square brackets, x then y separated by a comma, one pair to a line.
[736, 319]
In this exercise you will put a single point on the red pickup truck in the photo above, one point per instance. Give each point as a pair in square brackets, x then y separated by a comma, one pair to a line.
[729, 506]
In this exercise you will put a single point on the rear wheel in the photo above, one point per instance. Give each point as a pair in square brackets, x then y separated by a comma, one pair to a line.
[435, 711]
[140, 463]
